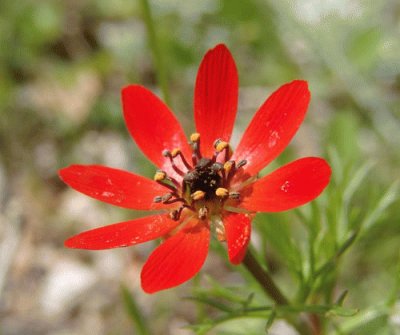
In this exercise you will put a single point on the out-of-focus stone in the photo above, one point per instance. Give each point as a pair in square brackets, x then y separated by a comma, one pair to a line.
[64, 284]
[74, 99]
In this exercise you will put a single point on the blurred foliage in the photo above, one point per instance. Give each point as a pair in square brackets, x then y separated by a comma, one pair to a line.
[62, 64]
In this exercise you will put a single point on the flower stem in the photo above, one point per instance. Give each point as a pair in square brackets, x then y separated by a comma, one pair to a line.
[155, 48]
[273, 291]
[264, 279]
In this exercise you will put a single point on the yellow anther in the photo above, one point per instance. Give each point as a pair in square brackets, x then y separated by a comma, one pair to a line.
[198, 195]
[160, 175]
[195, 137]
[228, 166]
[221, 192]
[175, 152]
[221, 146]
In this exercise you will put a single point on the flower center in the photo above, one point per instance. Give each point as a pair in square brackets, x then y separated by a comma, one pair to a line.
[203, 179]
[205, 184]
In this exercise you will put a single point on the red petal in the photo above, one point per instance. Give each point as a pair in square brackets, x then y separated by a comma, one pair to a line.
[113, 186]
[153, 126]
[123, 234]
[176, 260]
[237, 232]
[215, 97]
[288, 187]
[273, 126]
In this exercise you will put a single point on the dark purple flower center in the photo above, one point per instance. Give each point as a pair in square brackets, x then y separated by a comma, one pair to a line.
[205, 183]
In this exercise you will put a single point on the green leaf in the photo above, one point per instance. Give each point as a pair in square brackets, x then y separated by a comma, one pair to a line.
[277, 233]
[331, 263]
[394, 294]
[134, 312]
[356, 181]
[319, 309]
[270, 321]
[342, 311]
[341, 298]
[232, 324]
[368, 322]
[336, 162]
[384, 202]
[343, 134]
[364, 47]
[211, 302]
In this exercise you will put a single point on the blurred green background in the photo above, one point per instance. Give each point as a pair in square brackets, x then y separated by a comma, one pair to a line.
[62, 65]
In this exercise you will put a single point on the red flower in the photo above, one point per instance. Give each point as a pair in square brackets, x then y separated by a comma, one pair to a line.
[202, 185]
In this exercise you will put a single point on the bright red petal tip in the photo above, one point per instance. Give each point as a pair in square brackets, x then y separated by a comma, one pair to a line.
[123, 234]
[288, 187]
[153, 126]
[237, 232]
[215, 97]
[177, 260]
[273, 126]
[113, 186]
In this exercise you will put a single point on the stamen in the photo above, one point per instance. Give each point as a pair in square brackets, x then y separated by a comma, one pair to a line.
[174, 200]
[160, 175]
[203, 213]
[174, 181]
[221, 192]
[241, 163]
[194, 159]
[219, 230]
[195, 137]
[234, 195]
[217, 167]
[220, 234]
[176, 213]
[198, 195]
[228, 166]
[195, 141]
[162, 178]
[220, 145]
[177, 152]
[217, 141]
[166, 197]
[167, 153]
[203, 163]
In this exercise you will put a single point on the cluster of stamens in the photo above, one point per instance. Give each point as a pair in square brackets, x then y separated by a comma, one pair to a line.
[205, 183]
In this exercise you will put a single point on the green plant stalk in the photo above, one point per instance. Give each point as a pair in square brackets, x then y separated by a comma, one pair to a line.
[273, 291]
[264, 279]
[159, 63]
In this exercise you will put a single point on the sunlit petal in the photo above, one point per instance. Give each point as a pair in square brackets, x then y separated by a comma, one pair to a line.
[177, 260]
[273, 126]
[113, 186]
[288, 187]
[153, 126]
[215, 97]
[237, 232]
[123, 234]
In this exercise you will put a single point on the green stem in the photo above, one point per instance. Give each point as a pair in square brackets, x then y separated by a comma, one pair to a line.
[156, 51]
[264, 279]
[272, 290]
